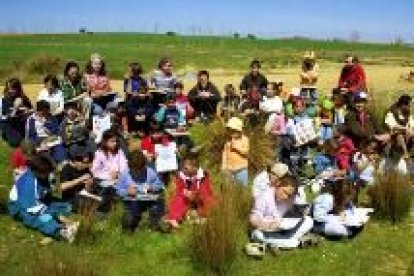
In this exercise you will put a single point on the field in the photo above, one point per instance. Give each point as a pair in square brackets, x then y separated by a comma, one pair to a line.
[382, 249]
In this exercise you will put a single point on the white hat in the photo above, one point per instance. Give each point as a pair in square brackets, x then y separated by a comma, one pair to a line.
[279, 169]
[235, 124]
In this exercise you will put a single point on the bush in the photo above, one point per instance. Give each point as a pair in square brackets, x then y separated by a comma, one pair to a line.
[88, 231]
[44, 64]
[215, 243]
[391, 196]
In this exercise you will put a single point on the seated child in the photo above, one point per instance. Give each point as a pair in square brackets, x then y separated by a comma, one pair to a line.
[42, 130]
[193, 190]
[75, 176]
[394, 160]
[325, 121]
[271, 103]
[334, 213]
[133, 81]
[108, 163]
[182, 102]
[155, 136]
[231, 102]
[139, 111]
[27, 203]
[140, 189]
[169, 116]
[53, 95]
[365, 163]
[345, 150]
[235, 152]
[267, 218]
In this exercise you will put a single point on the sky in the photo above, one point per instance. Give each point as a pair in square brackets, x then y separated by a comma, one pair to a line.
[373, 20]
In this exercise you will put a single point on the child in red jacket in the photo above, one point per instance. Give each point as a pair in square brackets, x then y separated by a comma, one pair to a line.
[193, 191]
[346, 148]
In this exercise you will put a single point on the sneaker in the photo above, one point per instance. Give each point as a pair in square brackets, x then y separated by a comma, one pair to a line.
[68, 234]
[255, 250]
[308, 240]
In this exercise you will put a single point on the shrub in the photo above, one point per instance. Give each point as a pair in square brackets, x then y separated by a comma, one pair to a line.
[391, 196]
[44, 64]
[88, 231]
[215, 243]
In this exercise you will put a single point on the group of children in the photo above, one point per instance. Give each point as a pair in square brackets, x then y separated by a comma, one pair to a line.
[81, 139]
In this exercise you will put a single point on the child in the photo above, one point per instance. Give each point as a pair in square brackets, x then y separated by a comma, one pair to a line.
[42, 130]
[271, 103]
[309, 76]
[334, 213]
[325, 121]
[27, 203]
[108, 163]
[365, 163]
[133, 81]
[182, 102]
[139, 111]
[155, 136]
[75, 176]
[394, 160]
[169, 116]
[345, 150]
[15, 109]
[271, 205]
[53, 95]
[74, 129]
[235, 152]
[141, 190]
[339, 110]
[193, 190]
[231, 102]
[98, 84]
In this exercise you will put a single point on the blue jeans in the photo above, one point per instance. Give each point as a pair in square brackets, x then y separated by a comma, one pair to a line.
[241, 176]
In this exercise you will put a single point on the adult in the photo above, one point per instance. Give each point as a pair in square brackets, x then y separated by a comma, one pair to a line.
[15, 109]
[309, 76]
[98, 84]
[204, 96]
[352, 78]
[254, 78]
[163, 80]
[400, 122]
[274, 192]
[74, 88]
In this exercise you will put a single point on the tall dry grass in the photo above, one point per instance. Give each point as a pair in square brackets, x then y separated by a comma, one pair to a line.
[391, 196]
[215, 244]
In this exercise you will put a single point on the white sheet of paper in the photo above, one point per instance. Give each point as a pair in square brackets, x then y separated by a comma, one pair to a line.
[166, 160]
[288, 223]
[99, 125]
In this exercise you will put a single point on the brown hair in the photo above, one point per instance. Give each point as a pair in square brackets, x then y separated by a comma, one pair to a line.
[137, 162]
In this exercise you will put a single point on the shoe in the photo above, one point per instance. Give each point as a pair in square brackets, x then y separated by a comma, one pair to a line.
[257, 236]
[69, 233]
[255, 250]
[308, 240]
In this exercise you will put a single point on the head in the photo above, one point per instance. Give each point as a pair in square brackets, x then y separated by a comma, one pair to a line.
[96, 65]
[235, 127]
[137, 162]
[190, 165]
[360, 105]
[179, 88]
[255, 66]
[51, 83]
[79, 157]
[285, 188]
[43, 109]
[338, 100]
[72, 71]
[404, 104]
[279, 87]
[203, 77]
[229, 89]
[110, 142]
[135, 69]
[72, 111]
[308, 60]
[276, 172]
[170, 100]
[343, 192]
[165, 65]
[371, 149]
[349, 61]
[299, 106]
[41, 166]
[13, 88]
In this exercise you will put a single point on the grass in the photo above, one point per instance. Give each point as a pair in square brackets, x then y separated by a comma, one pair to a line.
[381, 249]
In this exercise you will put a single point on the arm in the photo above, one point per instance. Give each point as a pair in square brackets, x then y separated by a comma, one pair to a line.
[98, 166]
[154, 181]
[192, 94]
[159, 116]
[31, 131]
[322, 206]
[124, 182]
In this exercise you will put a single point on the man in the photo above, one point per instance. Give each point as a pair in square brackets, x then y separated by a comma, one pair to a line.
[400, 122]
[204, 96]
[254, 78]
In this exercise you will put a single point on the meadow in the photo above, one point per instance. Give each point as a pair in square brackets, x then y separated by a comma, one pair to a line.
[381, 249]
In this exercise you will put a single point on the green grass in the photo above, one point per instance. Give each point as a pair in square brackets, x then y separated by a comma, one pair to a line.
[381, 249]
[199, 52]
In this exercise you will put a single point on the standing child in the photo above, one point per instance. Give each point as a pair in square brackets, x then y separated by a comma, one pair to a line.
[109, 162]
[193, 190]
[235, 152]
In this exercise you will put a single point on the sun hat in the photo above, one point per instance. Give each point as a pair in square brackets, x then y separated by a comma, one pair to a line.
[235, 124]
[309, 55]
[279, 169]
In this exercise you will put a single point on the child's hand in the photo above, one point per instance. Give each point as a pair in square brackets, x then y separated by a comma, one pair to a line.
[113, 175]
[132, 190]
